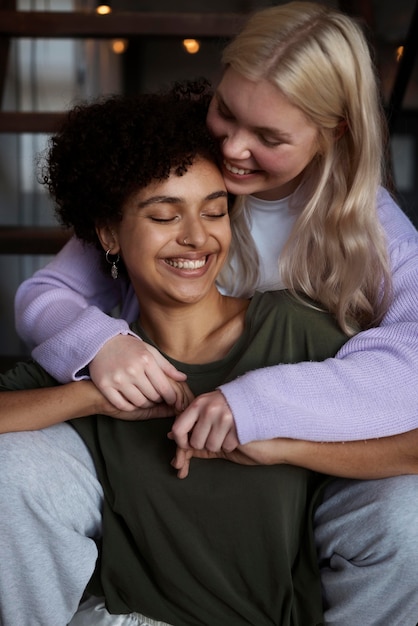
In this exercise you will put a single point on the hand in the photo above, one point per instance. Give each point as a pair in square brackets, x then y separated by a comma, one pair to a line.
[207, 423]
[132, 374]
[102, 406]
[181, 461]
[254, 453]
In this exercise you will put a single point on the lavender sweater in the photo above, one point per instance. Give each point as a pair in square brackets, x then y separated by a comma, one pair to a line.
[370, 389]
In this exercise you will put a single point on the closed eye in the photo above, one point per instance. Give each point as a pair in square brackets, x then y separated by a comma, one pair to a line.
[223, 111]
[215, 215]
[270, 141]
[163, 220]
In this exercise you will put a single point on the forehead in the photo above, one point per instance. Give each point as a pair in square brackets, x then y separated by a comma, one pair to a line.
[202, 180]
[258, 104]
[203, 170]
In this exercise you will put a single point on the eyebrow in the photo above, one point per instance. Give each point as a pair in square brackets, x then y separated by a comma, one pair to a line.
[175, 199]
[258, 129]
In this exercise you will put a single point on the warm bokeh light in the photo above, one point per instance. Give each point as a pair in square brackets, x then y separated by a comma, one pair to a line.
[103, 9]
[399, 53]
[191, 45]
[119, 46]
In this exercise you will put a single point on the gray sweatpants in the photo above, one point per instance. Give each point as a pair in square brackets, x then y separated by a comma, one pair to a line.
[50, 520]
[367, 539]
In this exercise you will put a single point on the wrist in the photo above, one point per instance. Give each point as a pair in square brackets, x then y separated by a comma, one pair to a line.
[87, 399]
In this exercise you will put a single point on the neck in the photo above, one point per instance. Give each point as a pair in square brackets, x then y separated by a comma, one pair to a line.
[200, 332]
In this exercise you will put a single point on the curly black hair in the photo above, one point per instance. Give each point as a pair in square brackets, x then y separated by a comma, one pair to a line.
[107, 149]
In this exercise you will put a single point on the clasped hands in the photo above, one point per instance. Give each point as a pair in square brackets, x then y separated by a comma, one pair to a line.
[137, 382]
[205, 429]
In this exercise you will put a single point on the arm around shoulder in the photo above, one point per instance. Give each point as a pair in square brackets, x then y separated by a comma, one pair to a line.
[60, 310]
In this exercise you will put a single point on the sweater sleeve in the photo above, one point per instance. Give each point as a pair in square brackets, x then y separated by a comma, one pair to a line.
[368, 390]
[60, 311]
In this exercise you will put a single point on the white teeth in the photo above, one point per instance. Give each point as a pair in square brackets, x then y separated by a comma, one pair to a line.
[186, 265]
[236, 170]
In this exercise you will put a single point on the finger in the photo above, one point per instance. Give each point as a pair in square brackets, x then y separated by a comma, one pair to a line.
[179, 458]
[182, 426]
[216, 438]
[158, 386]
[181, 462]
[185, 468]
[184, 397]
[143, 396]
[231, 440]
[200, 434]
[118, 400]
[167, 367]
[183, 472]
[207, 454]
[142, 393]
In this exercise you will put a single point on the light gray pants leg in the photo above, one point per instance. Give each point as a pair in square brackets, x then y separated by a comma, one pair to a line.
[50, 517]
[367, 540]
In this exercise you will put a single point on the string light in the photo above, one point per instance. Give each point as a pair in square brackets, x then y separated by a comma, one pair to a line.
[191, 45]
[399, 53]
[103, 9]
[119, 46]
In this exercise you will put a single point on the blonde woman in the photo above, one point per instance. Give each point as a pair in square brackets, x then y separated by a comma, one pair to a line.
[299, 122]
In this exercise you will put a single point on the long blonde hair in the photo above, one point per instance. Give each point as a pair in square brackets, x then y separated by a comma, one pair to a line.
[336, 253]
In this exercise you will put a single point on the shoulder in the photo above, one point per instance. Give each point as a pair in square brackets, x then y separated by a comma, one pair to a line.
[283, 304]
[297, 321]
[395, 222]
[401, 234]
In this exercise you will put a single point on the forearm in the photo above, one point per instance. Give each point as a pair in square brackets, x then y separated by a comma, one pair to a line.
[34, 409]
[369, 459]
[340, 399]
[67, 354]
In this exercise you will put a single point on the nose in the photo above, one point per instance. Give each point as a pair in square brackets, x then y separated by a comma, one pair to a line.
[193, 233]
[236, 146]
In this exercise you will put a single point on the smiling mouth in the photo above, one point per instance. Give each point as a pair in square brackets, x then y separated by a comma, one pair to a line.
[186, 264]
[236, 170]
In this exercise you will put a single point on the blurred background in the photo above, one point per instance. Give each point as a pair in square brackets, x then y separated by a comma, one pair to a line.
[56, 52]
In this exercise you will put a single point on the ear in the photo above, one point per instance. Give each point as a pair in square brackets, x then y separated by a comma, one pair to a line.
[108, 238]
[340, 129]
